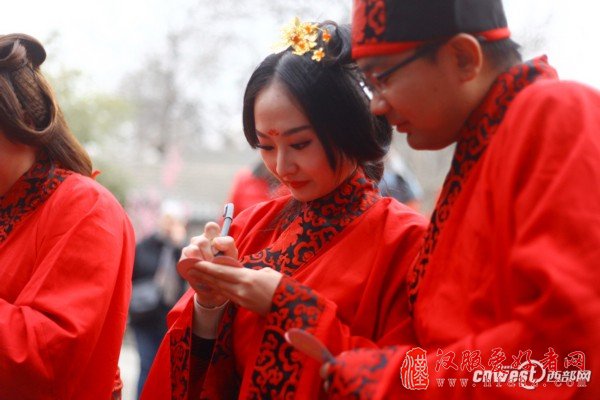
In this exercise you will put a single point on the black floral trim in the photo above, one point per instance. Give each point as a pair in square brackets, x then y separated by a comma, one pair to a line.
[358, 373]
[279, 366]
[370, 22]
[180, 345]
[28, 193]
[319, 221]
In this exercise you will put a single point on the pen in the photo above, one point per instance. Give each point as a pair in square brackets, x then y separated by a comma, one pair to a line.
[227, 219]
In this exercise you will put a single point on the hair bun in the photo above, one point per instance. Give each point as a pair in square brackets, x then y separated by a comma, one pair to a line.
[339, 51]
[35, 53]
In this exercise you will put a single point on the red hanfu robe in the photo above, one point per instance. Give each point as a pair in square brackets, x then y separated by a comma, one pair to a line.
[344, 260]
[66, 257]
[509, 272]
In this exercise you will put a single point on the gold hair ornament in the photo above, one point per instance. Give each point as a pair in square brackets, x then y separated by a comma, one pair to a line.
[302, 38]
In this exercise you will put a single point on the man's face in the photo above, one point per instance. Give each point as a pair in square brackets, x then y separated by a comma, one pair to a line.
[421, 99]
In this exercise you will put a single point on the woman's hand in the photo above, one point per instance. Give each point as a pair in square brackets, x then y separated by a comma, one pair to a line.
[249, 288]
[203, 248]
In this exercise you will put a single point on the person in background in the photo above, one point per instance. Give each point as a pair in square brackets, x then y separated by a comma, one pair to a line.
[328, 258]
[400, 183]
[505, 293]
[156, 284]
[66, 247]
[253, 186]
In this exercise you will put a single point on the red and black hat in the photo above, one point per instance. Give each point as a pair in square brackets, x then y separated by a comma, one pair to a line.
[381, 27]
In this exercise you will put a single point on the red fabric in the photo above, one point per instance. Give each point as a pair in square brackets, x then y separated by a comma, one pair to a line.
[65, 268]
[383, 48]
[494, 34]
[248, 189]
[343, 272]
[512, 256]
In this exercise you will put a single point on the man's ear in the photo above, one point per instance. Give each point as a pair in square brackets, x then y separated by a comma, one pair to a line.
[465, 56]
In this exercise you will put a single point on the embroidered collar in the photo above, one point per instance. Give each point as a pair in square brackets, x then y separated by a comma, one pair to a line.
[317, 223]
[29, 192]
[473, 140]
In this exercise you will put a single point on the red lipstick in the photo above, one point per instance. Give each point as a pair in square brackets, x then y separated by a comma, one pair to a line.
[297, 184]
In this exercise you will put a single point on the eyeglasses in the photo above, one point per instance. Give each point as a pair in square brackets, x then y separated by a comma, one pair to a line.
[375, 82]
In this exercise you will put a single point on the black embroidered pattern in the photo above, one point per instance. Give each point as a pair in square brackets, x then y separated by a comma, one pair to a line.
[365, 370]
[180, 345]
[28, 193]
[319, 221]
[369, 21]
[278, 367]
[472, 143]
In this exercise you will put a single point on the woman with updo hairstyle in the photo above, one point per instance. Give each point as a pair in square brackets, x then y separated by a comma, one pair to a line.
[66, 247]
[329, 258]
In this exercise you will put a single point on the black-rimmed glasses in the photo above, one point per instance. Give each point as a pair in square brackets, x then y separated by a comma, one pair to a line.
[375, 82]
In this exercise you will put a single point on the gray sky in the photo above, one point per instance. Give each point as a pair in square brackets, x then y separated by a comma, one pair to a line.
[103, 38]
[107, 38]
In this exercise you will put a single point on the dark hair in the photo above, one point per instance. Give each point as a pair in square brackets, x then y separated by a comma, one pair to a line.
[331, 95]
[29, 113]
[502, 54]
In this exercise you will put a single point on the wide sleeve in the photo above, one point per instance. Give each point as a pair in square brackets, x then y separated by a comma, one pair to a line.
[83, 246]
[546, 189]
[169, 376]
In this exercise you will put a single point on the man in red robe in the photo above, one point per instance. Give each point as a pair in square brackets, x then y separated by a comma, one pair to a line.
[504, 297]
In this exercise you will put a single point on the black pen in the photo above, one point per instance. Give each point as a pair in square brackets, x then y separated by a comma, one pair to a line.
[227, 220]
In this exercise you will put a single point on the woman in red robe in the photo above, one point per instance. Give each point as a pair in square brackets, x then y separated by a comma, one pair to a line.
[329, 258]
[66, 247]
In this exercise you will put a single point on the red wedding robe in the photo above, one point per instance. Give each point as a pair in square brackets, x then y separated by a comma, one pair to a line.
[345, 292]
[66, 256]
[510, 267]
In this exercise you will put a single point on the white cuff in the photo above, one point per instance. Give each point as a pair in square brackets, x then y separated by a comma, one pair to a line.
[206, 320]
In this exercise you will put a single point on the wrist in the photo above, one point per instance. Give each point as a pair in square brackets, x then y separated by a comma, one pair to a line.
[206, 319]
[208, 304]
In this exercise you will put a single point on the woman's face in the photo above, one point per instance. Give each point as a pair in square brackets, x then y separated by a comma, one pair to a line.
[291, 149]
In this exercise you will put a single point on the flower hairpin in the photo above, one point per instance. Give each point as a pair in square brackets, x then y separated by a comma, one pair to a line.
[302, 38]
